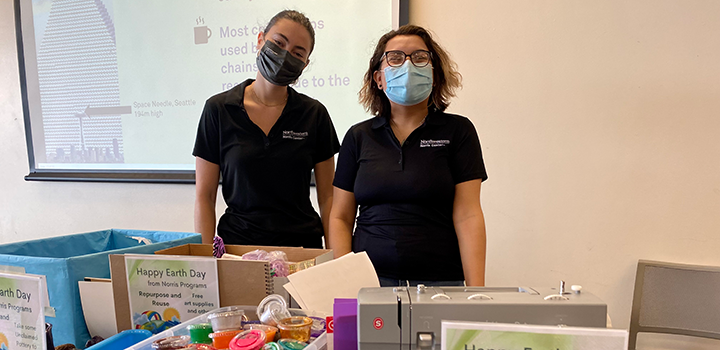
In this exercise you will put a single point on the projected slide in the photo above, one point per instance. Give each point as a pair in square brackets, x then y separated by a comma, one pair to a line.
[120, 84]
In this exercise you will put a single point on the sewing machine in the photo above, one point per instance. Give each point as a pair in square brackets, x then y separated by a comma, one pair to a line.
[410, 317]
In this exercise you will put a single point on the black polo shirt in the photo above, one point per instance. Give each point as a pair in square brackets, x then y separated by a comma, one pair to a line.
[266, 179]
[406, 193]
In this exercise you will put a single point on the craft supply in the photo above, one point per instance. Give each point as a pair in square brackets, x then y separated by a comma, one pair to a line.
[218, 247]
[302, 265]
[272, 309]
[278, 263]
[277, 255]
[199, 347]
[270, 331]
[296, 327]
[318, 327]
[279, 268]
[317, 287]
[257, 254]
[291, 344]
[200, 333]
[221, 340]
[227, 320]
[171, 343]
[252, 339]
[277, 260]
[203, 347]
[271, 346]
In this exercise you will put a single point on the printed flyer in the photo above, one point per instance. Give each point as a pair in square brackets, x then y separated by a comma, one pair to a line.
[497, 336]
[167, 290]
[22, 321]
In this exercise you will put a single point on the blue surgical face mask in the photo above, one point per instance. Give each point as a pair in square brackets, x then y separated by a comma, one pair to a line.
[408, 85]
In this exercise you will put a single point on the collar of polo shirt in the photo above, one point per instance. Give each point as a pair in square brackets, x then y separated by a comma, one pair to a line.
[236, 94]
[434, 117]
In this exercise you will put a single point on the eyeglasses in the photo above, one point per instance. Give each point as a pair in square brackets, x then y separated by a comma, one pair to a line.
[396, 58]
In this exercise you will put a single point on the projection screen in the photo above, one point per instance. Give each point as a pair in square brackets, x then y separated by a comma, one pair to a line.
[113, 89]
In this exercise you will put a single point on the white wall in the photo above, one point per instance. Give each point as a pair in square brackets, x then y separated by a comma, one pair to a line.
[599, 121]
[600, 126]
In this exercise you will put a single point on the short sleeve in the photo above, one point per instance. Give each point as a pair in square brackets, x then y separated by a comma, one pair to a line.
[207, 141]
[327, 143]
[466, 161]
[347, 166]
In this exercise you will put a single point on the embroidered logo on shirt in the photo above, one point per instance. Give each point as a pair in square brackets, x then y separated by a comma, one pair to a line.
[434, 143]
[293, 135]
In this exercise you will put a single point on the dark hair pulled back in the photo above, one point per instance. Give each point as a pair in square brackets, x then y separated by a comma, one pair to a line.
[297, 17]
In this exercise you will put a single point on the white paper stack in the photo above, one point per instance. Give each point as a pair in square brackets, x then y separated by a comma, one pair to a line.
[317, 287]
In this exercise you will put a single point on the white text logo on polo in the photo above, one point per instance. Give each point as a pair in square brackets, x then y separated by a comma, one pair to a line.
[434, 143]
[294, 135]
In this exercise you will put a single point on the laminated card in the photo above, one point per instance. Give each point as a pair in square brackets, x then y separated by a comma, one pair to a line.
[167, 290]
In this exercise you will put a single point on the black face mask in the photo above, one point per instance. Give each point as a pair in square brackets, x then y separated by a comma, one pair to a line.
[278, 66]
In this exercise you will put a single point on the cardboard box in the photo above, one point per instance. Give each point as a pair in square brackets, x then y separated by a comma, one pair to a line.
[241, 282]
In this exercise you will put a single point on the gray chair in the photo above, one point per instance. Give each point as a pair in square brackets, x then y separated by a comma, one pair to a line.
[675, 299]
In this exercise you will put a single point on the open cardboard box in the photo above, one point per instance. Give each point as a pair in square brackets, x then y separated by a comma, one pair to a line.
[241, 282]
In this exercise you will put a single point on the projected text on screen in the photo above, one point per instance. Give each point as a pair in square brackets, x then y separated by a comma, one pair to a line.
[120, 84]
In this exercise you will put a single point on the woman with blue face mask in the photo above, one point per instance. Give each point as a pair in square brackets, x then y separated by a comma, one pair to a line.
[265, 139]
[414, 171]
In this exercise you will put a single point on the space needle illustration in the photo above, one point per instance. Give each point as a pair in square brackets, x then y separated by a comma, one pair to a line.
[79, 85]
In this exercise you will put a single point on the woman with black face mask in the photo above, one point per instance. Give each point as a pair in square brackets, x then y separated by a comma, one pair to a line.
[264, 139]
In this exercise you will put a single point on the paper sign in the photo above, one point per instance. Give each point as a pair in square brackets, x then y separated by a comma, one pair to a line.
[22, 322]
[458, 335]
[167, 290]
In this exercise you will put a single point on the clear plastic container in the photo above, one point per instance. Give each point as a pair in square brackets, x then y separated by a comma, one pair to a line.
[296, 327]
[227, 320]
[272, 309]
[270, 331]
[318, 326]
[175, 342]
[199, 347]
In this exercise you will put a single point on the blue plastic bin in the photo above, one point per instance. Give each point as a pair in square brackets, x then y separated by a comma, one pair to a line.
[65, 260]
[122, 340]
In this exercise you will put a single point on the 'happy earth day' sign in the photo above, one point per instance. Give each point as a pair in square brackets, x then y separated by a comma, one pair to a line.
[22, 319]
[458, 335]
[167, 290]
